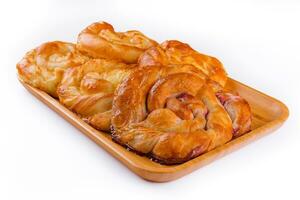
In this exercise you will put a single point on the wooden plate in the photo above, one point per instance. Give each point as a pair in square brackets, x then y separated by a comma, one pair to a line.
[268, 115]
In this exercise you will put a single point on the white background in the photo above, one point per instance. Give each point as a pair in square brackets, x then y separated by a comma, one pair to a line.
[44, 157]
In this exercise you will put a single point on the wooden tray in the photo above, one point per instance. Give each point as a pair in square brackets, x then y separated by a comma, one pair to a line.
[268, 115]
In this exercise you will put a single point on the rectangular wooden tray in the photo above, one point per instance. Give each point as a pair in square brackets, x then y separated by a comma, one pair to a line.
[268, 115]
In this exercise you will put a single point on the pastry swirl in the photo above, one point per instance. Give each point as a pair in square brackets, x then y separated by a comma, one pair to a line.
[170, 113]
[99, 40]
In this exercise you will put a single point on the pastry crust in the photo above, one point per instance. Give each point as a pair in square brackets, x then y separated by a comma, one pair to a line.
[170, 113]
[173, 52]
[88, 89]
[99, 40]
[44, 66]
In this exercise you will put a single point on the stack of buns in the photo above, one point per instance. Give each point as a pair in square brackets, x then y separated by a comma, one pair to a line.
[166, 101]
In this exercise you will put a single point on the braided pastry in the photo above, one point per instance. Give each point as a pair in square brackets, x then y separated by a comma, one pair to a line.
[99, 40]
[43, 67]
[171, 114]
[88, 89]
[175, 52]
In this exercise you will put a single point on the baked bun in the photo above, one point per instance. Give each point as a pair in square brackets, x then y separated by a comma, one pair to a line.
[88, 89]
[99, 40]
[171, 114]
[177, 53]
[43, 67]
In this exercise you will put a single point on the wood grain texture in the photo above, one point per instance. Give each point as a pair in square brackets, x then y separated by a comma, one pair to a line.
[268, 115]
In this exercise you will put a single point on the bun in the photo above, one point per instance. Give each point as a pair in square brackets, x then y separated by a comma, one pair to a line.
[171, 114]
[173, 52]
[44, 66]
[99, 40]
[88, 89]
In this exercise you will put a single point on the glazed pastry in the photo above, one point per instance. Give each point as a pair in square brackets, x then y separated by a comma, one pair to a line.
[88, 89]
[43, 67]
[178, 53]
[99, 40]
[170, 113]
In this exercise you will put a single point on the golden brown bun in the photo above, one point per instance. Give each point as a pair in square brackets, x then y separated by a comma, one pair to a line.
[43, 67]
[170, 113]
[177, 53]
[99, 40]
[88, 89]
